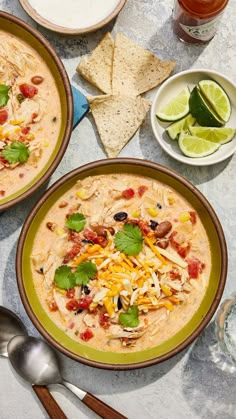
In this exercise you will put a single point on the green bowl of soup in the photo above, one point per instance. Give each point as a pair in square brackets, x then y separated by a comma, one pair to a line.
[36, 110]
[121, 264]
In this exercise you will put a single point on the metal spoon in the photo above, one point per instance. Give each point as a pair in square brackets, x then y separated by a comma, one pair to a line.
[36, 362]
[10, 326]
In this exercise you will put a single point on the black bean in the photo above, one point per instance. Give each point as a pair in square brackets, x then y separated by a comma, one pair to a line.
[78, 312]
[153, 224]
[85, 241]
[119, 305]
[159, 205]
[86, 290]
[120, 216]
[54, 119]
[41, 270]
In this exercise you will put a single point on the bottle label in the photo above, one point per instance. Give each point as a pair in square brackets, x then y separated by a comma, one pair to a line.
[202, 32]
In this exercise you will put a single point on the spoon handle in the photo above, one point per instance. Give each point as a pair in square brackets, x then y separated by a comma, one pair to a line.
[101, 408]
[49, 403]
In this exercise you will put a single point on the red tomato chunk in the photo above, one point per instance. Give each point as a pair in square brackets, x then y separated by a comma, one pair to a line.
[84, 302]
[86, 335]
[195, 267]
[28, 90]
[72, 305]
[3, 116]
[142, 189]
[70, 293]
[128, 193]
[104, 320]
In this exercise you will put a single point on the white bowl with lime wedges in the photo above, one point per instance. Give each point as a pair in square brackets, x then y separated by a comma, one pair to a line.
[193, 117]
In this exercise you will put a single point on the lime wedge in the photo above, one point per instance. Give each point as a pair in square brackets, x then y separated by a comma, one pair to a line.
[182, 125]
[177, 108]
[193, 146]
[204, 113]
[217, 97]
[216, 135]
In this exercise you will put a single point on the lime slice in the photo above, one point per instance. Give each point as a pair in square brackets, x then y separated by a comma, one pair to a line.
[204, 113]
[182, 125]
[193, 146]
[217, 97]
[216, 135]
[177, 108]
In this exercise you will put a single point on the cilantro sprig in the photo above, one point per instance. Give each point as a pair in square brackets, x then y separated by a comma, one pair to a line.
[16, 152]
[76, 221]
[4, 94]
[66, 279]
[130, 240]
[130, 318]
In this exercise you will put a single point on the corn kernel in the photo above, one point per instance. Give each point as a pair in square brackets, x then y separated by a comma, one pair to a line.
[46, 143]
[16, 121]
[61, 291]
[136, 214]
[30, 136]
[81, 193]
[166, 290]
[59, 231]
[171, 199]
[184, 216]
[152, 211]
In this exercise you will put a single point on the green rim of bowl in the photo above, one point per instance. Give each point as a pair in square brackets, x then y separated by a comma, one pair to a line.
[20, 29]
[188, 333]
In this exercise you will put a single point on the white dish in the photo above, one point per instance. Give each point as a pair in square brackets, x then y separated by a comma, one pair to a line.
[77, 17]
[171, 88]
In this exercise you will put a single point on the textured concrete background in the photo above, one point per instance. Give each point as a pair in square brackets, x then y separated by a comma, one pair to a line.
[197, 383]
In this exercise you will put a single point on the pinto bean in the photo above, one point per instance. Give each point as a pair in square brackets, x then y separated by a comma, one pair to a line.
[51, 226]
[162, 229]
[37, 79]
[63, 204]
[100, 230]
[163, 244]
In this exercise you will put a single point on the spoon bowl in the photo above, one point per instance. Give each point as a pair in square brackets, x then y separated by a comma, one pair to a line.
[10, 326]
[36, 362]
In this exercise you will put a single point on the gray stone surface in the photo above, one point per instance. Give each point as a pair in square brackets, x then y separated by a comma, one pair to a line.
[196, 383]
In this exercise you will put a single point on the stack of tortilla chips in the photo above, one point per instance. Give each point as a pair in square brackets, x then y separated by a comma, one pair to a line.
[123, 71]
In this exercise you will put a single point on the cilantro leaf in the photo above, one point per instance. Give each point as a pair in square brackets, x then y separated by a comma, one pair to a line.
[76, 221]
[64, 278]
[130, 240]
[84, 272]
[16, 152]
[130, 318]
[4, 94]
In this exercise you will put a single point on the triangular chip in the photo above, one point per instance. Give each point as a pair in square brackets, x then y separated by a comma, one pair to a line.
[117, 119]
[136, 70]
[97, 68]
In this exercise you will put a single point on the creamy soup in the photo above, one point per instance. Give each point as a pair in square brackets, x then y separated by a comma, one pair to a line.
[30, 114]
[121, 262]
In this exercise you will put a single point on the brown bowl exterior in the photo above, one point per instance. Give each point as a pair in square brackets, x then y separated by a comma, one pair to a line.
[136, 166]
[15, 24]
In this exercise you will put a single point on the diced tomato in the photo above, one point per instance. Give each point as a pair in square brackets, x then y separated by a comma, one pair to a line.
[72, 305]
[72, 252]
[86, 335]
[195, 266]
[2, 193]
[70, 293]
[3, 116]
[25, 130]
[89, 234]
[71, 325]
[102, 241]
[21, 175]
[104, 320]
[34, 115]
[53, 305]
[84, 302]
[193, 217]
[142, 189]
[182, 249]
[128, 193]
[74, 236]
[144, 227]
[3, 161]
[28, 90]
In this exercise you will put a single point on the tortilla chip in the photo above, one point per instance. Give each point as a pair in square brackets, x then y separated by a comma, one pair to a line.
[136, 70]
[117, 119]
[97, 68]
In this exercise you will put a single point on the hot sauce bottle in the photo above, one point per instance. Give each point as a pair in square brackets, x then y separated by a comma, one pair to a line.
[196, 21]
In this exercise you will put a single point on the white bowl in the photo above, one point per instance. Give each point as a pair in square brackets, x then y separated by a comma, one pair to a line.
[171, 88]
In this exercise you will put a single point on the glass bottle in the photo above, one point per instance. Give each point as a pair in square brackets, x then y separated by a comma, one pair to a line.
[196, 21]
